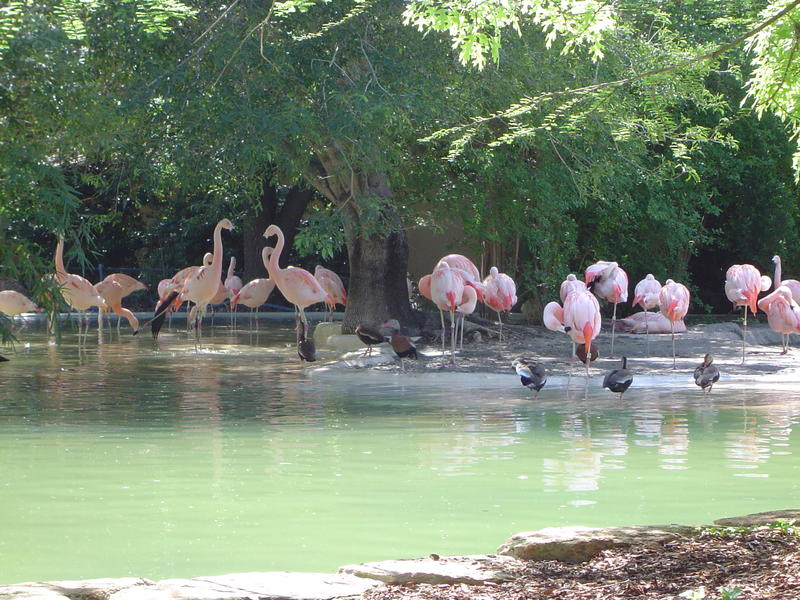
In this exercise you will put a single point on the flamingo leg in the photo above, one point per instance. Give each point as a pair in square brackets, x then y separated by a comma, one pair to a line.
[452, 337]
[646, 331]
[613, 327]
[574, 356]
[672, 328]
[461, 341]
[441, 316]
[499, 318]
[744, 333]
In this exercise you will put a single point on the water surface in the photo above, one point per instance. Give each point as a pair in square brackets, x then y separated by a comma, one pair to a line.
[128, 457]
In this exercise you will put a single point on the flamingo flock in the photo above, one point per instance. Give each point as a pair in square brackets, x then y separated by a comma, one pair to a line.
[455, 286]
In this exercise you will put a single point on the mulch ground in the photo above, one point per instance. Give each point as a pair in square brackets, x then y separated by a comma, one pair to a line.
[762, 564]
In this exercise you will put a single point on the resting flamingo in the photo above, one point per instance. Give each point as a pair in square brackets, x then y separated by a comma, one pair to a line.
[742, 286]
[608, 281]
[500, 294]
[77, 291]
[333, 285]
[255, 292]
[447, 290]
[645, 294]
[582, 320]
[203, 284]
[673, 300]
[783, 314]
[553, 319]
[468, 271]
[792, 284]
[469, 300]
[569, 285]
[12, 303]
[297, 285]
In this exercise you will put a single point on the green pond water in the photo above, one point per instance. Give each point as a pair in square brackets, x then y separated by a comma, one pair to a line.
[131, 458]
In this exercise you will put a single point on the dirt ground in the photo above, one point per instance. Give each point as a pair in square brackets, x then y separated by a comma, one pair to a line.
[653, 356]
[757, 564]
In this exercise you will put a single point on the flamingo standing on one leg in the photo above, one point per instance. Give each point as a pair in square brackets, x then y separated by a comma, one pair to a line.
[582, 320]
[447, 289]
[645, 294]
[77, 291]
[792, 284]
[255, 292]
[569, 285]
[332, 284]
[424, 285]
[297, 285]
[468, 271]
[673, 300]
[742, 286]
[201, 286]
[500, 294]
[783, 314]
[608, 281]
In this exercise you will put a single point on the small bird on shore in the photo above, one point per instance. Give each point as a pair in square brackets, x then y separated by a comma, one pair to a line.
[370, 337]
[401, 344]
[532, 375]
[707, 374]
[3, 358]
[619, 380]
[306, 349]
[580, 352]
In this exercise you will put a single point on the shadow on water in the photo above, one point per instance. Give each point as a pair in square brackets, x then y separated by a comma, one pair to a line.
[125, 456]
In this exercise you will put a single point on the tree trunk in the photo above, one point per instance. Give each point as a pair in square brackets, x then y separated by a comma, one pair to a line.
[378, 261]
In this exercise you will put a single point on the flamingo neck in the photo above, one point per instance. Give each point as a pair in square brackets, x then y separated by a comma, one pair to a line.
[777, 281]
[216, 262]
[59, 260]
[231, 267]
[274, 267]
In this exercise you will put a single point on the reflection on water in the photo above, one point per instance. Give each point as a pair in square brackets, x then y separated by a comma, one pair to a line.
[128, 457]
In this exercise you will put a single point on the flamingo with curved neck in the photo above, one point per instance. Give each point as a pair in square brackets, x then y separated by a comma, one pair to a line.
[297, 285]
[792, 284]
[77, 291]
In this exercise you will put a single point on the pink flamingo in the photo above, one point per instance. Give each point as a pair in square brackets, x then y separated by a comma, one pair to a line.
[783, 314]
[77, 291]
[553, 318]
[297, 285]
[608, 281]
[569, 285]
[447, 290]
[673, 300]
[645, 294]
[469, 300]
[500, 294]
[742, 286]
[468, 271]
[203, 284]
[231, 287]
[12, 303]
[656, 322]
[332, 284]
[582, 320]
[255, 292]
[112, 292]
[792, 284]
[127, 283]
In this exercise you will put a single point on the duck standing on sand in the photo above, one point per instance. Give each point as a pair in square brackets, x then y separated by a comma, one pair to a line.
[532, 375]
[401, 344]
[370, 337]
[619, 380]
[707, 374]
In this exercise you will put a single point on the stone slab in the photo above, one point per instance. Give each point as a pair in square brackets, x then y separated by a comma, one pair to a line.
[762, 518]
[282, 585]
[30, 591]
[578, 544]
[470, 570]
